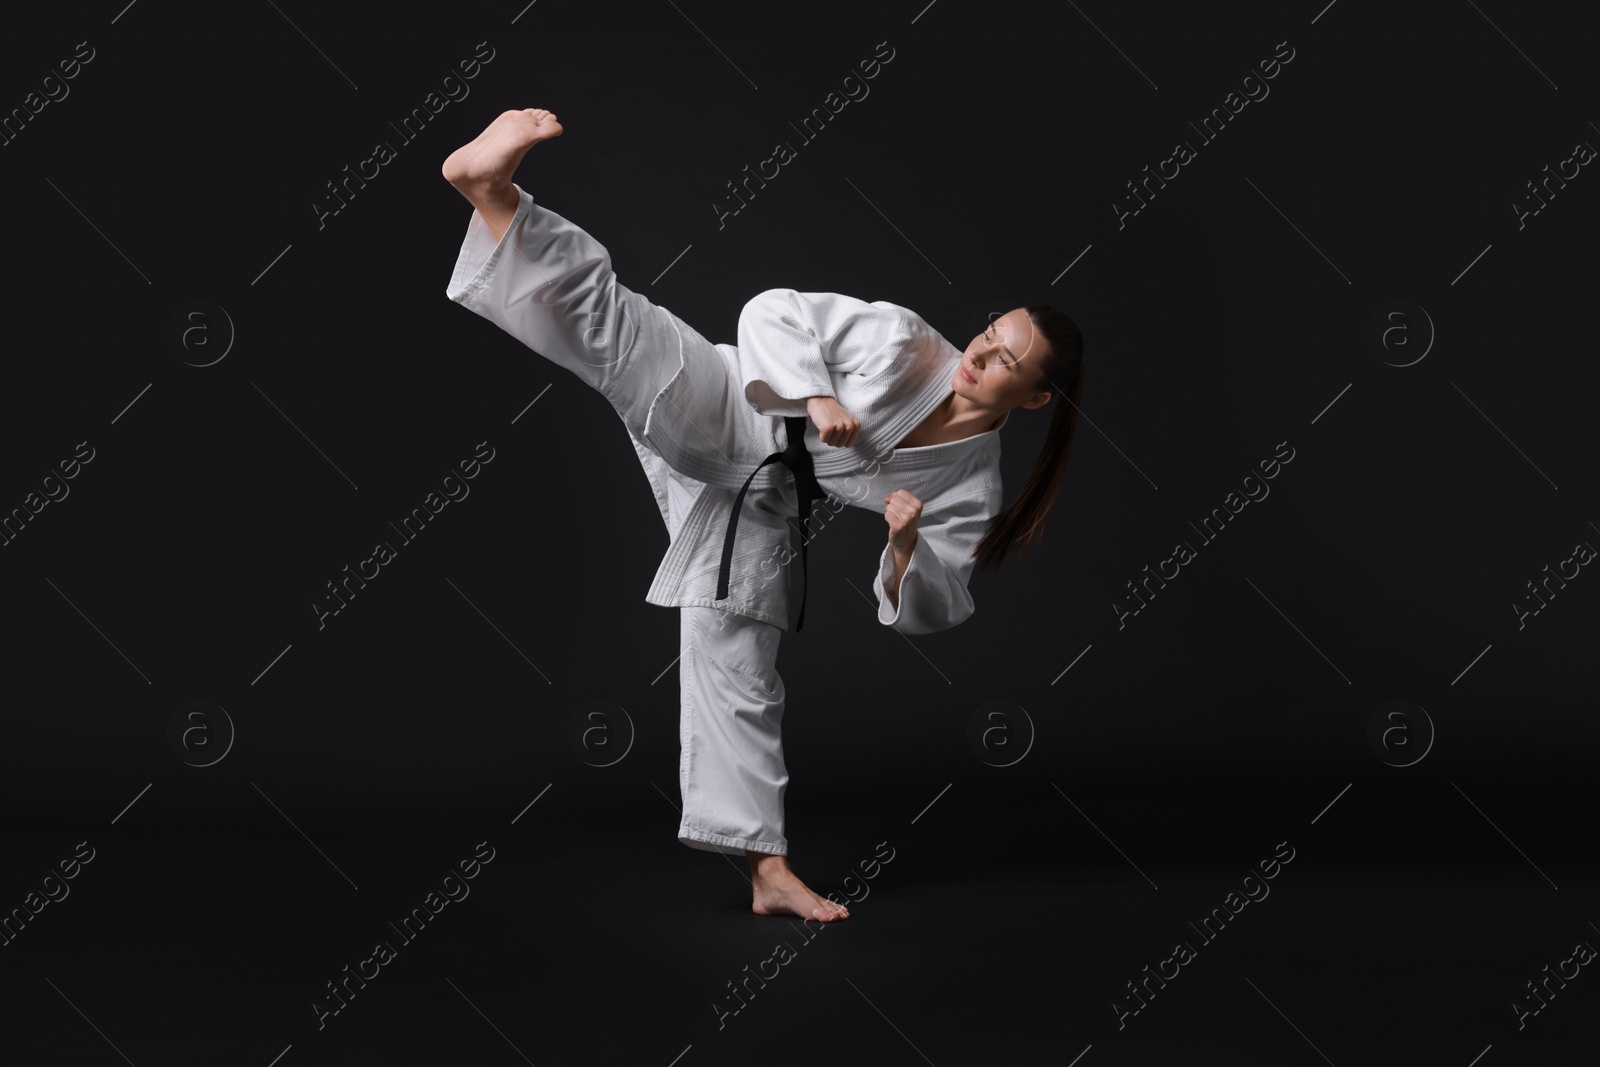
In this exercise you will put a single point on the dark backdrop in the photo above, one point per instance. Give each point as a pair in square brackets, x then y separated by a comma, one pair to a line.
[174, 186]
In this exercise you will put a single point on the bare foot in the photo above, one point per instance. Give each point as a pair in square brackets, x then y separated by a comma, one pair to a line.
[779, 892]
[481, 170]
[491, 158]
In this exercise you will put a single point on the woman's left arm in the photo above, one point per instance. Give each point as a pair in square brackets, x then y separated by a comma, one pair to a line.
[924, 590]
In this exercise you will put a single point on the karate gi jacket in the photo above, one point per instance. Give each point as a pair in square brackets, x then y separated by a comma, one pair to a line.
[890, 369]
[722, 411]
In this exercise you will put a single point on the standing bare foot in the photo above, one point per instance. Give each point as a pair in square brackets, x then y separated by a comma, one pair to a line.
[481, 170]
[779, 892]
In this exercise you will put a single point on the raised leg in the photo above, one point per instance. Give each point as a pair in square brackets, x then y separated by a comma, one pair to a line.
[550, 284]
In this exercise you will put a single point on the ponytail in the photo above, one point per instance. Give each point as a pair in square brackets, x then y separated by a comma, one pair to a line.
[1022, 522]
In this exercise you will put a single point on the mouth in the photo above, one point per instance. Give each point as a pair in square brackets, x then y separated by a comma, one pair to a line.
[966, 375]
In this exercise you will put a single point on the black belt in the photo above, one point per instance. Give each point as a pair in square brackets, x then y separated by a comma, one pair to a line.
[798, 460]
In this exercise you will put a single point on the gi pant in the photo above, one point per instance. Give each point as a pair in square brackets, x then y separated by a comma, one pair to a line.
[730, 769]
[730, 722]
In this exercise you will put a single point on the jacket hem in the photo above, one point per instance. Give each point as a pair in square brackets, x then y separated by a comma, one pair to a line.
[747, 608]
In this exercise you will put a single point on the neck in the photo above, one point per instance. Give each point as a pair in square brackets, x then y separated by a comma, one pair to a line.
[956, 412]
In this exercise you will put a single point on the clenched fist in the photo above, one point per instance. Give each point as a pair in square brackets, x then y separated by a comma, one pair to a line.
[901, 511]
[835, 425]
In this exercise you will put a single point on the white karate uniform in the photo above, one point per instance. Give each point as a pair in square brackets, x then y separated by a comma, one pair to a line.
[701, 416]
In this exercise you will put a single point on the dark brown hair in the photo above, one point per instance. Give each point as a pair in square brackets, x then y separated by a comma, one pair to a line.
[1022, 522]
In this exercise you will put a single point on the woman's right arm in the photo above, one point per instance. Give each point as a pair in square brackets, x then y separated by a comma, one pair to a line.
[790, 342]
[835, 425]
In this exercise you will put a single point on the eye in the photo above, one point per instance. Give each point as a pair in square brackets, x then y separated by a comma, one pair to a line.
[1005, 361]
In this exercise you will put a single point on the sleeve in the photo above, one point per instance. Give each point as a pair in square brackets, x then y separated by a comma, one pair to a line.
[933, 592]
[790, 342]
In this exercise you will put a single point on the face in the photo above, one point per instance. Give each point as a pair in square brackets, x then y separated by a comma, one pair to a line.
[999, 368]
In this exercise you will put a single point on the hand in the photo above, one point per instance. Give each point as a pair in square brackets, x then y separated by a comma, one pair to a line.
[835, 425]
[901, 512]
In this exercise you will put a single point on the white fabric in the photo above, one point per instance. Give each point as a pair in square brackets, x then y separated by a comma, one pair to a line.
[711, 412]
[731, 772]
[730, 733]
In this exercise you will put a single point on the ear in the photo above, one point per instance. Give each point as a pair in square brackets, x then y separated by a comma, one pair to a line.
[1038, 400]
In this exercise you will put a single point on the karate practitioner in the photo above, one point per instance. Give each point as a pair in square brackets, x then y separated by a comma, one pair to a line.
[824, 396]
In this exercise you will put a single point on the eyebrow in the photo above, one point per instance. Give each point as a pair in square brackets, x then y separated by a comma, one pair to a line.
[996, 327]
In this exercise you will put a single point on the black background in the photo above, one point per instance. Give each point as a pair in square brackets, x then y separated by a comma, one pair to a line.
[1231, 714]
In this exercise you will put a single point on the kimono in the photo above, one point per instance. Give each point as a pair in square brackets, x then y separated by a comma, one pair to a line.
[704, 415]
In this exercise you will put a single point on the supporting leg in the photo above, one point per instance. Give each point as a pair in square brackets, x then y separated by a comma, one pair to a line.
[731, 768]
[779, 892]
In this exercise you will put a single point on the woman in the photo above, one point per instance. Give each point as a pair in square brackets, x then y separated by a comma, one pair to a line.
[862, 402]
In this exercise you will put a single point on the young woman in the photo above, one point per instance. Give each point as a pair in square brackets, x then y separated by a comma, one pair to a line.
[824, 396]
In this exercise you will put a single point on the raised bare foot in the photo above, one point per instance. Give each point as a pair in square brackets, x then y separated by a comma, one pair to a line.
[490, 159]
[779, 892]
